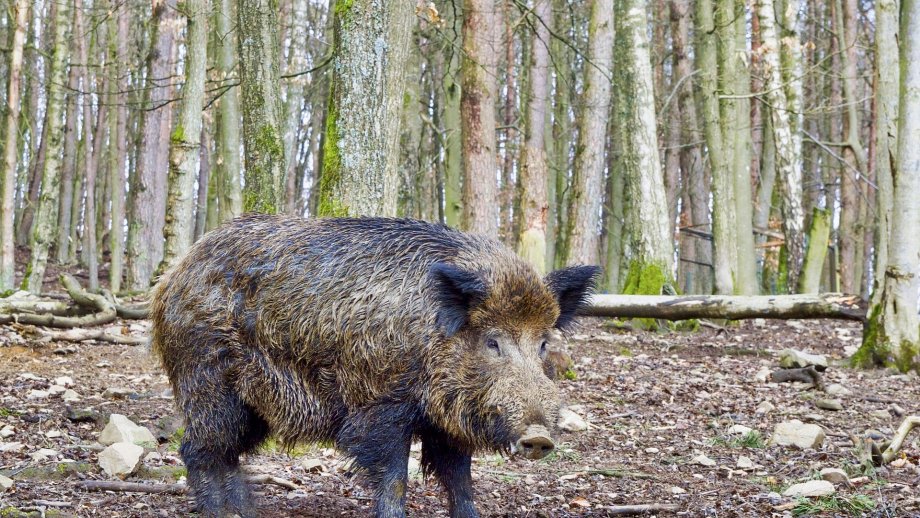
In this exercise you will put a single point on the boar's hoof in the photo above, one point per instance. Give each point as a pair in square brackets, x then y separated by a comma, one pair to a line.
[535, 443]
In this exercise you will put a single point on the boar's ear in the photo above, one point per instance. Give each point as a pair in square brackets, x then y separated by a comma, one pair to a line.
[457, 291]
[572, 287]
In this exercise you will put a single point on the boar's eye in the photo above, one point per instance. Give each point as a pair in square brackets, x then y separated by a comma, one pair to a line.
[543, 349]
[492, 345]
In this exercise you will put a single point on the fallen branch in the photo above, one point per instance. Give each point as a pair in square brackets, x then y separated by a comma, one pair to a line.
[806, 375]
[629, 510]
[172, 489]
[830, 305]
[139, 312]
[908, 424]
[104, 311]
[99, 335]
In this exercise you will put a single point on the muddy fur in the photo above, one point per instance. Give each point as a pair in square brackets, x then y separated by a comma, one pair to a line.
[366, 332]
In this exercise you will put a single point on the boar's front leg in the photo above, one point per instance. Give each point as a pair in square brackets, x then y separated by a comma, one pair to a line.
[378, 438]
[452, 468]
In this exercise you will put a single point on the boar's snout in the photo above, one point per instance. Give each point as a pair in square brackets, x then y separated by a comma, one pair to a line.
[536, 442]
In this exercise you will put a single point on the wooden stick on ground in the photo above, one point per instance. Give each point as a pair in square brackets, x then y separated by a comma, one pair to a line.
[909, 423]
[105, 311]
[172, 489]
[828, 305]
[629, 510]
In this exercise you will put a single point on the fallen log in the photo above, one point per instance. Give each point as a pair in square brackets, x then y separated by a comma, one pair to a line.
[103, 311]
[828, 305]
[908, 424]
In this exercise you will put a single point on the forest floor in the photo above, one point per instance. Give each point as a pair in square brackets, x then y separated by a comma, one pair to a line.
[654, 402]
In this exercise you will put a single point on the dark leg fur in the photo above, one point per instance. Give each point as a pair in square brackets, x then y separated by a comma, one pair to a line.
[378, 438]
[220, 427]
[452, 468]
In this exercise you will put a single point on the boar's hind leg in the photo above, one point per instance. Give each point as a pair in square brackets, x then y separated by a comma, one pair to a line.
[378, 439]
[452, 468]
[220, 428]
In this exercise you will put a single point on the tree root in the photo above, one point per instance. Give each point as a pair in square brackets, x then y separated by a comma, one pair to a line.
[806, 375]
[909, 423]
[104, 311]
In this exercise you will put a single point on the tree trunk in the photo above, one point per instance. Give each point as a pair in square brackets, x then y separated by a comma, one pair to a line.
[68, 167]
[588, 176]
[296, 88]
[453, 159]
[263, 125]
[818, 235]
[227, 140]
[851, 230]
[10, 149]
[148, 191]
[477, 112]
[534, 178]
[892, 336]
[693, 169]
[651, 260]
[203, 196]
[886, 133]
[361, 153]
[120, 146]
[788, 154]
[46, 214]
[185, 141]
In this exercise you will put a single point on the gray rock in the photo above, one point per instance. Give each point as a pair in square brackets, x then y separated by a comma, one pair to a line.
[703, 460]
[765, 407]
[122, 429]
[792, 358]
[11, 447]
[64, 381]
[117, 393]
[739, 429]
[5, 483]
[7, 431]
[43, 454]
[836, 389]
[745, 463]
[796, 433]
[829, 404]
[812, 488]
[120, 459]
[70, 396]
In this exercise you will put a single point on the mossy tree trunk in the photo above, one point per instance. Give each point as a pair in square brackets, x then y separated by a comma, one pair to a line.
[43, 231]
[478, 70]
[453, 154]
[818, 235]
[582, 237]
[185, 141]
[227, 132]
[119, 144]
[361, 149]
[788, 152]
[892, 336]
[10, 148]
[260, 89]
[533, 180]
[650, 244]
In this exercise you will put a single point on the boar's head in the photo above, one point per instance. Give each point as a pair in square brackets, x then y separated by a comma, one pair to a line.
[487, 383]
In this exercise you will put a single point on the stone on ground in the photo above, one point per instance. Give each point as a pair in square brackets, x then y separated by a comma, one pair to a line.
[765, 407]
[739, 429]
[5, 483]
[835, 475]
[836, 389]
[812, 488]
[796, 433]
[703, 460]
[792, 359]
[120, 459]
[570, 421]
[121, 429]
[70, 396]
[829, 404]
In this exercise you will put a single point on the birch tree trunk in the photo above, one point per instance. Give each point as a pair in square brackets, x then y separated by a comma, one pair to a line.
[260, 85]
[886, 133]
[227, 140]
[533, 181]
[361, 151]
[148, 191]
[892, 336]
[789, 165]
[651, 247]
[478, 71]
[185, 141]
[588, 176]
[43, 234]
[10, 149]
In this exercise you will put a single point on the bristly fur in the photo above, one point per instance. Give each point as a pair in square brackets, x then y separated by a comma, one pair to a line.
[348, 330]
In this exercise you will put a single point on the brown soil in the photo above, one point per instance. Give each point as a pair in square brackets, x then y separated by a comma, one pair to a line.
[654, 402]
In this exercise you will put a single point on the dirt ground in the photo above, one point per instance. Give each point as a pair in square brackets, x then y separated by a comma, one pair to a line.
[654, 402]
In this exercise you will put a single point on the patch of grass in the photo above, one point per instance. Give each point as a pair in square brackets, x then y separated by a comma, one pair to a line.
[176, 439]
[7, 412]
[271, 445]
[626, 352]
[854, 505]
[562, 452]
[570, 375]
[752, 440]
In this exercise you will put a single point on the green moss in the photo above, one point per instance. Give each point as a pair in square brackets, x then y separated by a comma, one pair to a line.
[645, 279]
[178, 134]
[343, 6]
[877, 351]
[260, 193]
[329, 204]
[570, 375]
